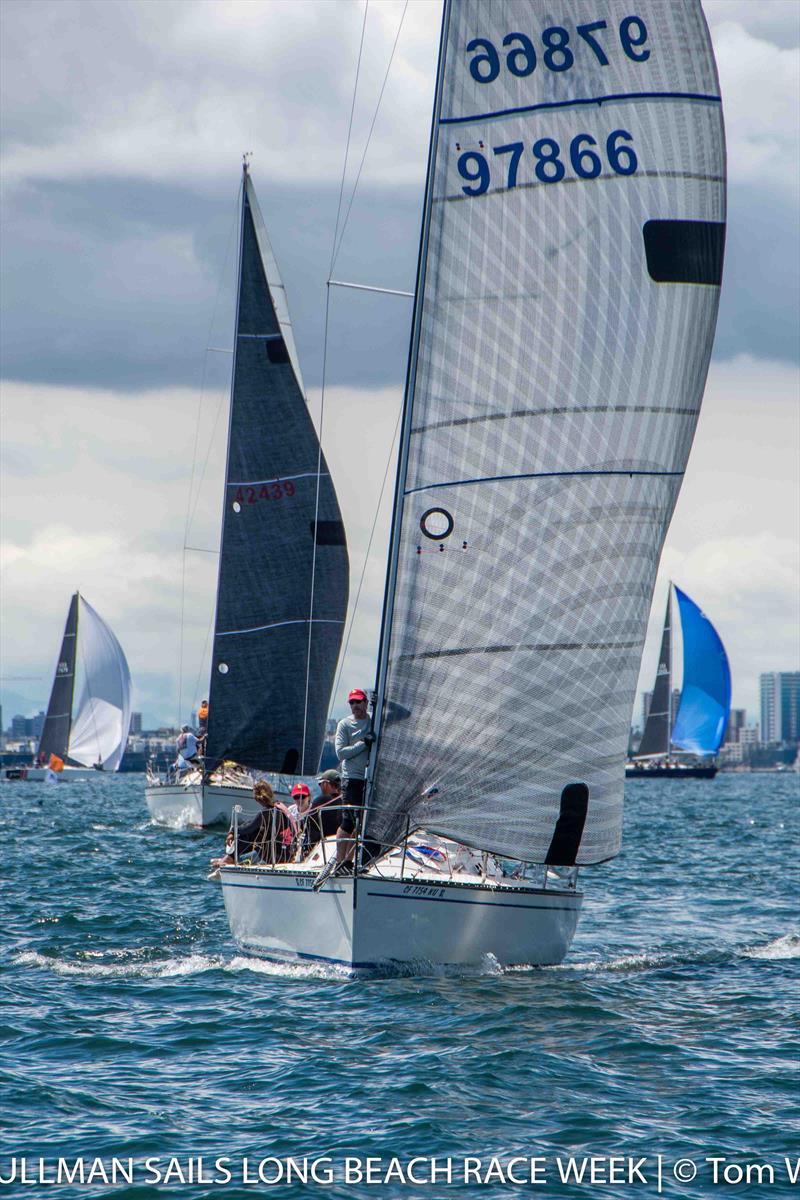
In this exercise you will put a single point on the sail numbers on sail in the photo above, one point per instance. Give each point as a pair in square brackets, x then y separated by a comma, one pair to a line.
[549, 168]
[521, 59]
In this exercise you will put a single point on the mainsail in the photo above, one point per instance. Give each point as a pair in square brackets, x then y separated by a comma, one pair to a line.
[57, 723]
[705, 706]
[567, 296]
[657, 729]
[94, 729]
[275, 592]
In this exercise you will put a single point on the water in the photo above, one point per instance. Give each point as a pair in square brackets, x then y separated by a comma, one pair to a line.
[134, 1028]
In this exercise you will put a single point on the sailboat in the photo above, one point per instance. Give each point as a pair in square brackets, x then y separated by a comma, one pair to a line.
[89, 714]
[565, 305]
[283, 578]
[675, 749]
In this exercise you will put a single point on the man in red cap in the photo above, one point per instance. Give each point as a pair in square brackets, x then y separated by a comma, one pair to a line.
[301, 799]
[354, 738]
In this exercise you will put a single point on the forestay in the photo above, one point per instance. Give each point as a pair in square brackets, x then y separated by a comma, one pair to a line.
[257, 700]
[103, 708]
[566, 304]
[705, 706]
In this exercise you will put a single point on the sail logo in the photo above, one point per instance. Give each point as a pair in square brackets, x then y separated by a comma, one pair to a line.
[62, 669]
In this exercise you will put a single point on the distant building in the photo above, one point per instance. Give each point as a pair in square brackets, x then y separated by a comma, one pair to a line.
[136, 722]
[736, 722]
[18, 726]
[780, 706]
[749, 736]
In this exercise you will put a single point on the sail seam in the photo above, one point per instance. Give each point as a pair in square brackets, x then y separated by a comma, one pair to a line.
[537, 646]
[264, 337]
[274, 479]
[278, 624]
[425, 487]
[618, 97]
[565, 410]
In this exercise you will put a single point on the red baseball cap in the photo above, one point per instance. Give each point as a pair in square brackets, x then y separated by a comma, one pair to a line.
[301, 789]
[357, 694]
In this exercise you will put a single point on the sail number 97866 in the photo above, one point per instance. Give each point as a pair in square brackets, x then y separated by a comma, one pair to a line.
[558, 50]
[548, 165]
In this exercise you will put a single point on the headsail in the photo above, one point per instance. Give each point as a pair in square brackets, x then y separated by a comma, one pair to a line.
[103, 709]
[705, 705]
[57, 723]
[275, 510]
[565, 313]
[656, 735]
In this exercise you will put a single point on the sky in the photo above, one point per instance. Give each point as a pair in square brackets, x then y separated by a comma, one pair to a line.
[122, 137]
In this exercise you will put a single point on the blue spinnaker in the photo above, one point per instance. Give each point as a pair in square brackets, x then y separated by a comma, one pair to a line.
[706, 695]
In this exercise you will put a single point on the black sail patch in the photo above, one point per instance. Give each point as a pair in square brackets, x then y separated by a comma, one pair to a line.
[685, 251]
[569, 827]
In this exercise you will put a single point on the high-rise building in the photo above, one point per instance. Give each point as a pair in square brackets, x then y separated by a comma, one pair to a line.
[136, 722]
[780, 706]
[736, 722]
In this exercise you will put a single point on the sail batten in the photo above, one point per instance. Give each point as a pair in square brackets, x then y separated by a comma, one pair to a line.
[525, 545]
[279, 505]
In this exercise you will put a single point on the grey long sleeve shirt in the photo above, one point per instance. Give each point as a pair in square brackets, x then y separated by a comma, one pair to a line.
[351, 749]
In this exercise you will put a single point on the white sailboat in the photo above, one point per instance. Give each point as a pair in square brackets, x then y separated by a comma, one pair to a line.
[283, 576]
[89, 713]
[566, 300]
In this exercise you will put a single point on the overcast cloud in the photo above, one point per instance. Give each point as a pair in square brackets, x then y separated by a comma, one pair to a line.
[122, 136]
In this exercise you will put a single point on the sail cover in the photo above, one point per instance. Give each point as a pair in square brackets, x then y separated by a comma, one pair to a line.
[566, 305]
[103, 708]
[655, 738]
[55, 732]
[273, 515]
[705, 705]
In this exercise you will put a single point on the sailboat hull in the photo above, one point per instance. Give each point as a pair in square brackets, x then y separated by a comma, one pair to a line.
[197, 804]
[675, 772]
[375, 923]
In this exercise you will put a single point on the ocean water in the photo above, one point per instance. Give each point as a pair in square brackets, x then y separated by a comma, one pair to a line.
[133, 1028]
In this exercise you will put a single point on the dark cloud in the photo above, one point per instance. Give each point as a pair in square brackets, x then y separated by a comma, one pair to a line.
[113, 284]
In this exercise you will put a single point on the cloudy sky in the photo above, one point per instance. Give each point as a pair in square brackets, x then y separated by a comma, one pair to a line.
[122, 137]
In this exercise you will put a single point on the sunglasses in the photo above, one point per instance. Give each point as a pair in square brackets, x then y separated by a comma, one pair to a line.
[356, 702]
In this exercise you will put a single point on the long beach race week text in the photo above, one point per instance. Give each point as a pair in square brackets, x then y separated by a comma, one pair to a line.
[623, 1170]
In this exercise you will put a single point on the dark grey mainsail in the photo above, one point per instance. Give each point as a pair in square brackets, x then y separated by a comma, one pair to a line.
[274, 592]
[655, 739]
[55, 733]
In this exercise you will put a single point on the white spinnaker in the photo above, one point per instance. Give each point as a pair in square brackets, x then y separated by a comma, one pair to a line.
[555, 401]
[102, 712]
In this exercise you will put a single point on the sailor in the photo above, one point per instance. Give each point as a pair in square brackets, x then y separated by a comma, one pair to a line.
[354, 740]
[202, 719]
[301, 799]
[324, 815]
[187, 749]
[269, 836]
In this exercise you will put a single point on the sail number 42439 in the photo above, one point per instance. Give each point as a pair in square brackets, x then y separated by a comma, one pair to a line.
[548, 166]
[558, 49]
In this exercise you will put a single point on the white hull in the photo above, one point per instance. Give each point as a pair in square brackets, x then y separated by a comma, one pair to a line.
[41, 774]
[374, 922]
[197, 804]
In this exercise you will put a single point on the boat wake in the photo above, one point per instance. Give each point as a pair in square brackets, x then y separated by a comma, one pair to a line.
[137, 966]
[787, 946]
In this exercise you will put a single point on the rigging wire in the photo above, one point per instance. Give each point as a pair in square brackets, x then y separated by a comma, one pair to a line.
[366, 146]
[322, 391]
[191, 510]
[365, 564]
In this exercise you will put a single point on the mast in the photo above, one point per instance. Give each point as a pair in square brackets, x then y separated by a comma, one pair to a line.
[408, 398]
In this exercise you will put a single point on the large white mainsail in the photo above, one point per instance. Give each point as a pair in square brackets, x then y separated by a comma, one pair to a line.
[102, 713]
[566, 305]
